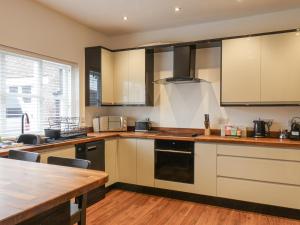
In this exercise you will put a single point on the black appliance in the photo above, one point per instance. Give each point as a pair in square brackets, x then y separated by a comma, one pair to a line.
[295, 128]
[94, 152]
[174, 161]
[143, 125]
[52, 133]
[262, 128]
[184, 59]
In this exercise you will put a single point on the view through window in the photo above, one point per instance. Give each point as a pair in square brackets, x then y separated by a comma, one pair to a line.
[35, 86]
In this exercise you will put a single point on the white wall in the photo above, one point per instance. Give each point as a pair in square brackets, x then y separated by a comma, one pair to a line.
[289, 19]
[29, 26]
[184, 105]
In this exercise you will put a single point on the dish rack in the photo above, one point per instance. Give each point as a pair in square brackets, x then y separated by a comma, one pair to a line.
[69, 126]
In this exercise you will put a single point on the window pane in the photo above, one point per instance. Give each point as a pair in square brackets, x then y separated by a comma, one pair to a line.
[38, 87]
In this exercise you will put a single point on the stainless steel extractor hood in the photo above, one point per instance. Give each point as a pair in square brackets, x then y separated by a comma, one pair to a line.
[183, 66]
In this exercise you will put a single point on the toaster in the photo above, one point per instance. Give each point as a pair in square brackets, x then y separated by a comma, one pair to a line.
[110, 123]
[143, 125]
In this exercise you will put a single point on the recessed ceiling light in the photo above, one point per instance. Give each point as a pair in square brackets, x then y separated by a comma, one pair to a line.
[125, 18]
[177, 9]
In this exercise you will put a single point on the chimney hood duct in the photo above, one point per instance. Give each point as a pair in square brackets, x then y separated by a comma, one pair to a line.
[183, 66]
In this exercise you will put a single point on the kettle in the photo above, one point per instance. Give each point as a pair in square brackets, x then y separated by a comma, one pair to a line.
[261, 128]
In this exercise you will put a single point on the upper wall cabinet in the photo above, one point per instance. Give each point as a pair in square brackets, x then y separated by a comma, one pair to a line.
[124, 77]
[241, 70]
[280, 68]
[261, 70]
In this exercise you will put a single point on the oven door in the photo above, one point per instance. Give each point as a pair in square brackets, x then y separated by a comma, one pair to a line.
[174, 165]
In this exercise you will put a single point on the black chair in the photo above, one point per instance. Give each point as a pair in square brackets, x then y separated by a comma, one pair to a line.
[23, 155]
[78, 209]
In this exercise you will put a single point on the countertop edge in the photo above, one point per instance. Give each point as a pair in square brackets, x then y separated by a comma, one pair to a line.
[271, 142]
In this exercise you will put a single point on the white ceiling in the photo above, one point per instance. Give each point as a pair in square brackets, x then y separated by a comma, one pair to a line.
[107, 15]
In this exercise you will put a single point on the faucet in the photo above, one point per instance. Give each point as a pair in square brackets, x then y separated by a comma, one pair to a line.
[22, 121]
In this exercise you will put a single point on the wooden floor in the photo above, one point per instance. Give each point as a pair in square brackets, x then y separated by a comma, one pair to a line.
[129, 208]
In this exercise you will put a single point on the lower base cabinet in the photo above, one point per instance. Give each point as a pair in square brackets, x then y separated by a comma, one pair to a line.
[127, 160]
[259, 192]
[145, 162]
[136, 161]
[266, 175]
[206, 169]
[66, 152]
[111, 148]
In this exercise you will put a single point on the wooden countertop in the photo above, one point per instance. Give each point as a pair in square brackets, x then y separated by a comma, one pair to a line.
[272, 142]
[28, 189]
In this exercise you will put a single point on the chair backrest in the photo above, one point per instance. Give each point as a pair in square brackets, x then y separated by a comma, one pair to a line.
[25, 156]
[78, 163]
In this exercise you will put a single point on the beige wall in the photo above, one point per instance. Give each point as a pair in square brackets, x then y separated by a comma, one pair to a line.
[184, 105]
[29, 26]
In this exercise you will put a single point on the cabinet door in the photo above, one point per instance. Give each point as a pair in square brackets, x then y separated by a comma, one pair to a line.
[121, 67]
[259, 192]
[127, 160]
[145, 162]
[107, 76]
[111, 147]
[66, 152]
[92, 76]
[241, 70]
[205, 169]
[137, 76]
[280, 68]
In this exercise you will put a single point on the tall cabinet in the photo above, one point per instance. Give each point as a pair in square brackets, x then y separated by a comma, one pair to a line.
[123, 77]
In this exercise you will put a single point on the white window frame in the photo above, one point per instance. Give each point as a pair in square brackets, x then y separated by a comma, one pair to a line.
[75, 80]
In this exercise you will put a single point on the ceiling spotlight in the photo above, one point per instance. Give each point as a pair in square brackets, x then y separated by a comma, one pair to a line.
[177, 9]
[125, 18]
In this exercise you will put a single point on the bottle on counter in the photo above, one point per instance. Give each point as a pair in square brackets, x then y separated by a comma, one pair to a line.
[206, 125]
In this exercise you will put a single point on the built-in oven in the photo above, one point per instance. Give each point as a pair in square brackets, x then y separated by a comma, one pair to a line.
[174, 161]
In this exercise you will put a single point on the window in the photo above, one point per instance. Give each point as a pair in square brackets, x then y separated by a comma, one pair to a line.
[38, 87]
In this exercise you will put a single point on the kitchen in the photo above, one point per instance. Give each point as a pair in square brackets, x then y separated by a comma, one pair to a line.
[224, 166]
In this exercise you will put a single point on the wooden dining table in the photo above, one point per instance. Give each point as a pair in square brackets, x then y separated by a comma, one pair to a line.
[37, 193]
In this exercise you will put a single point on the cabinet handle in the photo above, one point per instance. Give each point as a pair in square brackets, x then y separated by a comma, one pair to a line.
[174, 151]
[91, 148]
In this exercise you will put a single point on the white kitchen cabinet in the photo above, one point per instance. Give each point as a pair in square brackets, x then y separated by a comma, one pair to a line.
[145, 162]
[206, 169]
[274, 174]
[65, 152]
[107, 76]
[280, 68]
[127, 158]
[276, 171]
[136, 81]
[121, 77]
[259, 192]
[241, 70]
[111, 167]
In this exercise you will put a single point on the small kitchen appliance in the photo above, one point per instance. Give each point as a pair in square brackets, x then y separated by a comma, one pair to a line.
[143, 125]
[295, 128]
[110, 123]
[262, 128]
